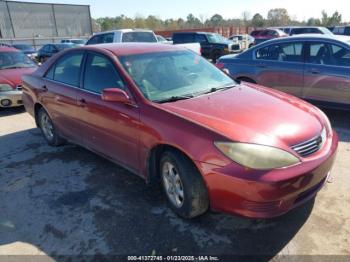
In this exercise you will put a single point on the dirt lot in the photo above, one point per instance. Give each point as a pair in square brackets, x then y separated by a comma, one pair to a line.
[68, 201]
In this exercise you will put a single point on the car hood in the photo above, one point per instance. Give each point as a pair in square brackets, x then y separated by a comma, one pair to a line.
[252, 114]
[13, 77]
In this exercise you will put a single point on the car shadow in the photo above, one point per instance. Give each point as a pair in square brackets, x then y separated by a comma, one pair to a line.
[69, 201]
[340, 120]
[11, 111]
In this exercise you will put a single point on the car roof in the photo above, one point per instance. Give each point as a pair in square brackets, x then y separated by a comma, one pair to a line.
[194, 32]
[124, 49]
[8, 49]
[321, 37]
[124, 31]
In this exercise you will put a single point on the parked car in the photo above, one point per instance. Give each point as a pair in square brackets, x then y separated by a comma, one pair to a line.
[245, 41]
[212, 45]
[133, 35]
[256, 32]
[161, 39]
[315, 68]
[27, 49]
[341, 30]
[76, 42]
[123, 36]
[49, 50]
[13, 65]
[168, 115]
[268, 34]
[310, 30]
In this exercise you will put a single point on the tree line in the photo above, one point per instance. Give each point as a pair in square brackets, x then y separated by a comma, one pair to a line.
[275, 17]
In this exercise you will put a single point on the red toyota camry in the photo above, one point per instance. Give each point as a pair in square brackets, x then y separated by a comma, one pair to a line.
[169, 116]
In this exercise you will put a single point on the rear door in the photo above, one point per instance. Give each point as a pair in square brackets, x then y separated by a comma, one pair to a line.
[327, 73]
[110, 128]
[280, 66]
[60, 86]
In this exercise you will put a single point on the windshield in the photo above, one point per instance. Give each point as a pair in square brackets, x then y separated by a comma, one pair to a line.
[161, 76]
[139, 37]
[326, 31]
[15, 60]
[78, 41]
[215, 38]
[23, 47]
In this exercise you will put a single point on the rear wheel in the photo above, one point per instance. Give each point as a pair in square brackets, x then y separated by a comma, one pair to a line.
[48, 129]
[183, 185]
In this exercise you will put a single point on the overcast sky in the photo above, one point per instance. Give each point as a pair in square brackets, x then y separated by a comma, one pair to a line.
[299, 9]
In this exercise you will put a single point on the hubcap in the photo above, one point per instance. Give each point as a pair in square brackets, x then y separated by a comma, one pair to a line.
[173, 184]
[46, 126]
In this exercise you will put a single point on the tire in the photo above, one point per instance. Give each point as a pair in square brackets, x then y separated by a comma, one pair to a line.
[48, 129]
[195, 199]
[215, 56]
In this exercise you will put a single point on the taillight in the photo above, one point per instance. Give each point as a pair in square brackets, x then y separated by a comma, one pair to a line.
[220, 65]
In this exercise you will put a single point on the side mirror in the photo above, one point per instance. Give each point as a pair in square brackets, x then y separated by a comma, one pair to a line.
[115, 95]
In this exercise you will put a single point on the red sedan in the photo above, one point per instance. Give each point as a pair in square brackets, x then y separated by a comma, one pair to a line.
[13, 65]
[169, 116]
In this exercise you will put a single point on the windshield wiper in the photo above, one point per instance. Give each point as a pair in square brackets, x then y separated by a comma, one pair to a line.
[173, 99]
[215, 89]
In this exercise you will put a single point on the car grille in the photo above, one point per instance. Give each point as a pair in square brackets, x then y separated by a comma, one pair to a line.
[308, 147]
[235, 47]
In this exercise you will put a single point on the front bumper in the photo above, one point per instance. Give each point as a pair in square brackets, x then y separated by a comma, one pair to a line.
[264, 194]
[11, 98]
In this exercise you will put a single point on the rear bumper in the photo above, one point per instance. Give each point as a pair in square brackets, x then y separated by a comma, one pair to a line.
[266, 194]
[11, 98]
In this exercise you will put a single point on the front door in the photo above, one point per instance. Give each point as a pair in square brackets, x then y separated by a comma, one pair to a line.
[110, 128]
[327, 73]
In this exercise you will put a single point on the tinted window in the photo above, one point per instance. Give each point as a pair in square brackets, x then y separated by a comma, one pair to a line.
[329, 54]
[200, 39]
[289, 52]
[101, 39]
[144, 37]
[311, 30]
[67, 69]
[100, 74]
[183, 38]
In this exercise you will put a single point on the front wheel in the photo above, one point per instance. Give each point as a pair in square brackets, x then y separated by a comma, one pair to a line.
[183, 185]
[48, 129]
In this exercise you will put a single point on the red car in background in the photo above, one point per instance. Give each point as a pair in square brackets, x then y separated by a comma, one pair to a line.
[13, 65]
[268, 34]
[169, 116]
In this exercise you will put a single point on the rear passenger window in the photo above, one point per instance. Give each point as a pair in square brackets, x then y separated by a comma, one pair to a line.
[289, 52]
[101, 39]
[67, 69]
[100, 74]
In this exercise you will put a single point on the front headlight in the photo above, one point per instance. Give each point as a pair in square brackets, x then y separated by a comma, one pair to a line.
[327, 123]
[5, 88]
[257, 156]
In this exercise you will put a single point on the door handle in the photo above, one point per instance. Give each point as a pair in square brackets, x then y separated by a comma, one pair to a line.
[81, 102]
[44, 88]
[261, 66]
[314, 71]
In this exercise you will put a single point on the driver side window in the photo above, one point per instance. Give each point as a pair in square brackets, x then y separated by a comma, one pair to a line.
[101, 74]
